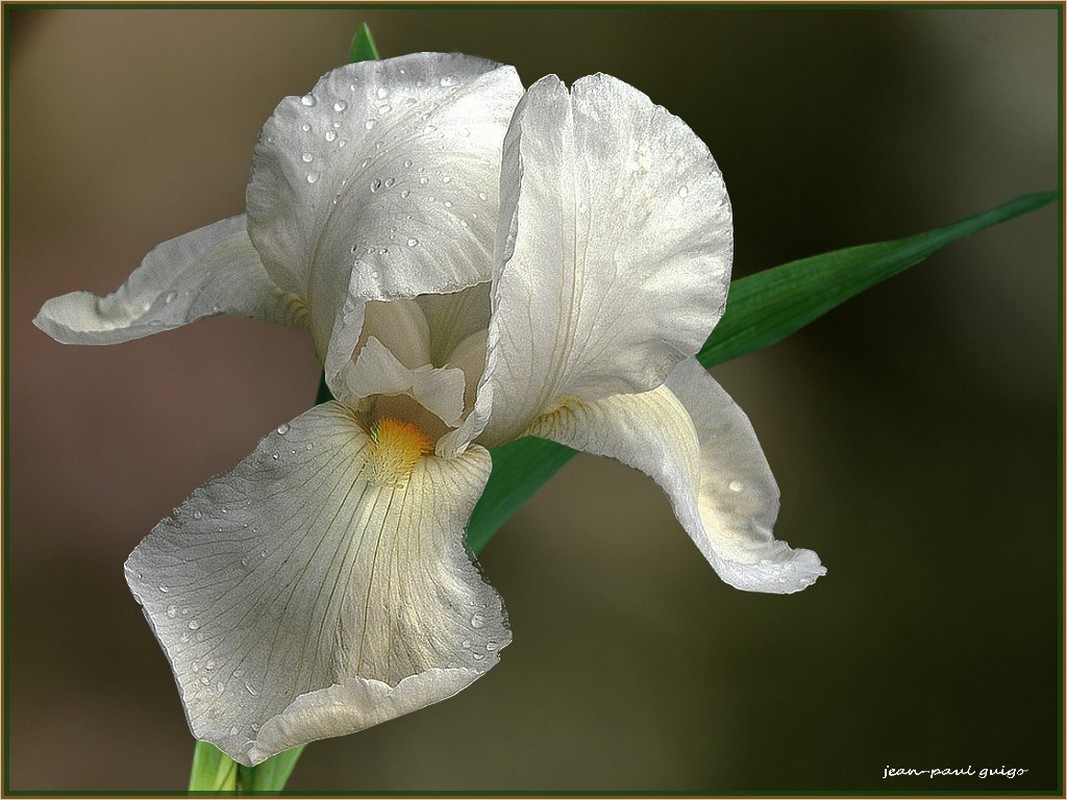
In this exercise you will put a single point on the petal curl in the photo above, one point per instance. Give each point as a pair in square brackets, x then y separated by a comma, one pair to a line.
[212, 270]
[438, 390]
[382, 181]
[697, 444]
[616, 237]
[297, 599]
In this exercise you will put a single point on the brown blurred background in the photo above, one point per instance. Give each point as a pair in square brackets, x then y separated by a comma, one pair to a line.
[913, 432]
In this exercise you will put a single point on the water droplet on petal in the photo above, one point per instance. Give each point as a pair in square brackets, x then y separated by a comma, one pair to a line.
[313, 177]
[307, 158]
[172, 611]
[449, 80]
[446, 179]
[340, 105]
[368, 124]
[164, 588]
[170, 298]
[331, 135]
[233, 730]
[490, 646]
[478, 657]
[408, 162]
[683, 191]
[305, 127]
[405, 193]
[736, 486]
[193, 625]
[283, 429]
[382, 92]
[482, 196]
[274, 456]
[412, 241]
[375, 185]
[197, 515]
[308, 99]
[478, 620]
[389, 182]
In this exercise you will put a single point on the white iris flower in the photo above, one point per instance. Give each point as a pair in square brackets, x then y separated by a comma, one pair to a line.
[474, 265]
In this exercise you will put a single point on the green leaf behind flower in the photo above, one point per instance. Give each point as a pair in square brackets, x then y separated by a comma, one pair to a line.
[764, 308]
[363, 47]
[761, 310]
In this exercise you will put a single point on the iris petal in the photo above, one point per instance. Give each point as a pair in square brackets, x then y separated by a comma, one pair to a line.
[698, 445]
[212, 270]
[382, 182]
[613, 253]
[296, 581]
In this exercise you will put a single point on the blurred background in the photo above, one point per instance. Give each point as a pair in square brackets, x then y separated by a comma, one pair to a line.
[914, 432]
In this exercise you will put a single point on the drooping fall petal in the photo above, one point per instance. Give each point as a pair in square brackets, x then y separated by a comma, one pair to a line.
[321, 586]
[697, 444]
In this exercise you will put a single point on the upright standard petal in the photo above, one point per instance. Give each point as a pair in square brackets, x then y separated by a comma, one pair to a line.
[212, 270]
[615, 247]
[380, 183]
[697, 444]
[321, 587]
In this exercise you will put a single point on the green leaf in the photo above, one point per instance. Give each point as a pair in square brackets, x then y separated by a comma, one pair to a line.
[271, 775]
[761, 310]
[213, 770]
[519, 470]
[764, 308]
[363, 47]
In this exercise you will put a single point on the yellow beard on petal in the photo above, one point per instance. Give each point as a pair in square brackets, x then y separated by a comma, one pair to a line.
[396, 447]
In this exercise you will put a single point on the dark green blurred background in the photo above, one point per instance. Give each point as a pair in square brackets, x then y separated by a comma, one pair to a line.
[914, 432]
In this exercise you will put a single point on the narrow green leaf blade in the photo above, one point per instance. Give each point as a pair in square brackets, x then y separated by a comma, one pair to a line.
[519, 470]
[363, 47]
[272, 774]
[761, 310]
[213, 770]
[764, 308]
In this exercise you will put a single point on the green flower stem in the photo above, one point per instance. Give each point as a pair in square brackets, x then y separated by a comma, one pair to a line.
[213, 770]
